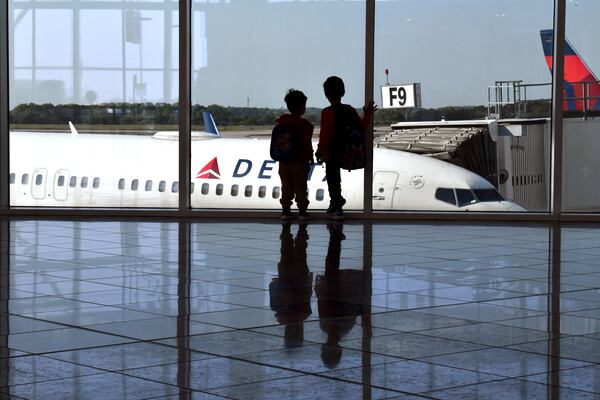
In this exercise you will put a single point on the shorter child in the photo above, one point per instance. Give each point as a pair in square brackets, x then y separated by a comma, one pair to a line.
[294, 173]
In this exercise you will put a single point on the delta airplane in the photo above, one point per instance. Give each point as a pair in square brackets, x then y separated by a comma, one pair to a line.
[99, 170]
[578, 76]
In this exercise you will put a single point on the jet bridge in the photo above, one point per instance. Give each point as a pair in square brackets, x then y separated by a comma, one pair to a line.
[510, 154]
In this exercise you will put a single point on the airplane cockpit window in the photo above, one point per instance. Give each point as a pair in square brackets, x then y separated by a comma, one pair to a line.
[148, 186]
[204, 188]
[276, 192]
[134, 184]
[248, 191]
[24, 179]
[446, 195]
[161, 186]
[38, 179]
[175, 187]
[320, 194]
[219, 189]
[234, 190]
[262, 191]
[84, 182]
[486, 195]
[465, 197]
[121, 184]
[73, 181]
[12, 178]
[61, 180]
[96, 183]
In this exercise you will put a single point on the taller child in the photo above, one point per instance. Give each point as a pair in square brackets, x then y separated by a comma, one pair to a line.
[330, 144]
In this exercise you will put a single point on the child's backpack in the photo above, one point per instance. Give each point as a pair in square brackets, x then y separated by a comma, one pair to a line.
[349, 143]
[284, 143]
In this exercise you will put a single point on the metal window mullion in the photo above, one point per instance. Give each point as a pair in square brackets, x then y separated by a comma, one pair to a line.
[4, 105]
[557, 107]
[369, 72]
[185, 67]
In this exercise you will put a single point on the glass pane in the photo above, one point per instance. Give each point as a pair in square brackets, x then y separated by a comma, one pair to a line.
[581, 164]
[93, 88]
[464, 97]
[242, 82]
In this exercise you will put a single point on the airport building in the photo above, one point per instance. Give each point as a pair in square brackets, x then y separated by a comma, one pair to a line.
[147, 250]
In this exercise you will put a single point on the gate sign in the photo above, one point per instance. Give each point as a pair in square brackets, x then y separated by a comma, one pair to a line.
[401, 96]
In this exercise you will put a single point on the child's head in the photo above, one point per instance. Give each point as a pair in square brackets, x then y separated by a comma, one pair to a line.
[334, 88]
[295, 101]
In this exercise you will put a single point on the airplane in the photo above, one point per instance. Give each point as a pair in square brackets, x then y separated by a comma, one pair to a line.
[103, 170]
[578, 76]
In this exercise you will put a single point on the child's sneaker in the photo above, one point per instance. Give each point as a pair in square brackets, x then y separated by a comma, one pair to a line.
[303, 215]
[286, 215]
[337, 214]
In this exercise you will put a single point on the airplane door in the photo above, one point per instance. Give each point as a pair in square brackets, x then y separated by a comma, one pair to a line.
[38, 183]
[384, 188]
[61, 187]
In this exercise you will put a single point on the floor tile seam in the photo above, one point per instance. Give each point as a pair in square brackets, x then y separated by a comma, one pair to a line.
[534, 310]
[313, 374]
[151, 316]
[524, 379]
[433, 392]
[497, 378]
[545, 354]
[424, 333]
[467, 301]
[503, 377]
[35, 382]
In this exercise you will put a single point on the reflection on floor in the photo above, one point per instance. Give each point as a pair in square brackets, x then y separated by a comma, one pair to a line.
[126, 310]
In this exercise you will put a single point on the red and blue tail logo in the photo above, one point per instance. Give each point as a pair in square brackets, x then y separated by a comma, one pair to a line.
[576, 74]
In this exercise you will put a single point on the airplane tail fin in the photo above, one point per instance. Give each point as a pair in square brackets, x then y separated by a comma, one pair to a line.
[576, 74]
[209, 124]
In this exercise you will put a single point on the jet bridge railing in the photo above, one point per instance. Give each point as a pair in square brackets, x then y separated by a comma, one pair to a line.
[514, 99]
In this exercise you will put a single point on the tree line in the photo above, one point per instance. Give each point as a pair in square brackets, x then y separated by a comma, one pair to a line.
[167, 114]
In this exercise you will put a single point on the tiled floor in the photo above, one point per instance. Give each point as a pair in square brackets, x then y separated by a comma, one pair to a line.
[126, 310]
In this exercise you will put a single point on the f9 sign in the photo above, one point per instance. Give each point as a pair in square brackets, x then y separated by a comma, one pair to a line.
[401, 96]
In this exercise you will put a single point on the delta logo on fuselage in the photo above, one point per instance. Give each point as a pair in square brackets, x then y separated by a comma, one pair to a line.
[243, 168]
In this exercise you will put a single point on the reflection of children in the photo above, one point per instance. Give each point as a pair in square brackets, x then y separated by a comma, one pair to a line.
[294, 174]
[291, 290]
[339, 296]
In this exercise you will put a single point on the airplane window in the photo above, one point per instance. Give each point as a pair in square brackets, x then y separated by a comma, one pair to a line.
[161, 186]
[38, 179]
[192, 187]
[61, 180]
[484, 195]
[12, 178]
[148, 186]
[262, 191]
[204, 189]
[73, 181]
[276, 192]
[234, 190]
[84, 182]
[219, 189]
[248, 191]
[24, 179]
[446, 195]
[465, 197]
[175, 187]
[134, 184]
[121, 184]
[320, 194]
[96, 183]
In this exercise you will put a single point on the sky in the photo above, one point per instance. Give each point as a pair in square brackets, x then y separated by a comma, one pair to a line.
[250, 52]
